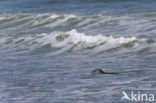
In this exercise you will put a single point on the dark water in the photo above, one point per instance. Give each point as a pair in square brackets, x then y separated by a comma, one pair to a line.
[49, 47]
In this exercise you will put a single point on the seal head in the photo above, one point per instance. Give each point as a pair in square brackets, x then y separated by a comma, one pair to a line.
[100, 72]
[97, 72]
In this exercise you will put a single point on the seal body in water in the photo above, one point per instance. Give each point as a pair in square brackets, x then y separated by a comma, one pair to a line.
[100, 72]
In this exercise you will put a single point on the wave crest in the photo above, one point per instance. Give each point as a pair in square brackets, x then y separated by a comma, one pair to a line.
[70, 40]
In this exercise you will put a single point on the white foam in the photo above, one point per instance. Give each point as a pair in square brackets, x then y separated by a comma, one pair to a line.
[74, 37]
[52, 20]
[81, 39]
[61, 21]
[37, 19]
[70, 39]
[2, 18]
[54, 16]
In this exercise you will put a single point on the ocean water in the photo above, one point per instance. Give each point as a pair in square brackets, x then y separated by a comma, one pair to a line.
[49, 47]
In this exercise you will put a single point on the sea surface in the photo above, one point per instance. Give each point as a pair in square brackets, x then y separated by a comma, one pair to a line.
[49, 47]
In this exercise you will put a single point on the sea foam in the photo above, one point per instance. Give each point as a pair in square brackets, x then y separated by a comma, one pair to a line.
[74, 40]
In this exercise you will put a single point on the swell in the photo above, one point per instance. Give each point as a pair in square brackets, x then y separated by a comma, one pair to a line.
[12, 20]
[18, 20]
[101, 22]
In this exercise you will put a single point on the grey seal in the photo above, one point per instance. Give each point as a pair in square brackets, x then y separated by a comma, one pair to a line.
[100, 72]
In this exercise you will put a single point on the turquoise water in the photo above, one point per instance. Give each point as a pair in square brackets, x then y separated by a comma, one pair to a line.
[49, 47]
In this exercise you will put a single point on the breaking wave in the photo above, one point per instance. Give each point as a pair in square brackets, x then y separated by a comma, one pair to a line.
[14, 20]
[33, 20]
[59, 42]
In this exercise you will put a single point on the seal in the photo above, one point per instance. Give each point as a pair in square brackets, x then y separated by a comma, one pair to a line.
[97, 72]
[100, 72]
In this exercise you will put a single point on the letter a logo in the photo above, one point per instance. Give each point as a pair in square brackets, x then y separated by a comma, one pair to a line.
[125, 96]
